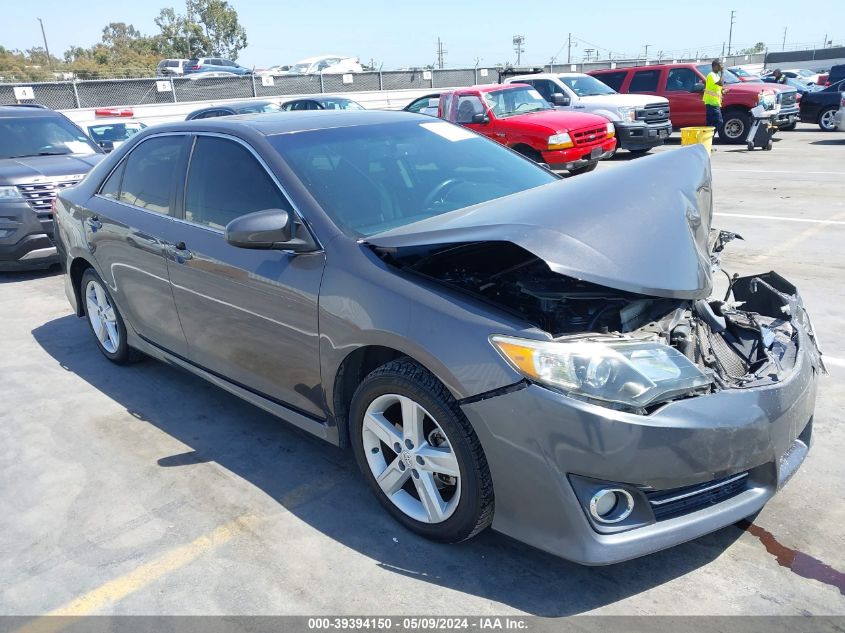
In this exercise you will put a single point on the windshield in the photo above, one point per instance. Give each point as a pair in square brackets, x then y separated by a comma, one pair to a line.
[42, 136]
[260, 107]
[586, 86]
[729, 77]
[114, 131]
[519, 100]
[371, 178]
[340, 104]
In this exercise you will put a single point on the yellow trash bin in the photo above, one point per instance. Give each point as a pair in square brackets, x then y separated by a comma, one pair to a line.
[695, 135]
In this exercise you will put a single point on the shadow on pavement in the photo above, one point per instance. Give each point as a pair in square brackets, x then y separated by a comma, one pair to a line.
[14, 276]
[280, 460]
[830, 141]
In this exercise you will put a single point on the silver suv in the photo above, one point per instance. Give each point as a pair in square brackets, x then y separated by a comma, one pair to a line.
[41, 152]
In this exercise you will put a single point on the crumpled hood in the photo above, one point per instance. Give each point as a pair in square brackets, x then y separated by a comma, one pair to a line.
[17, 171]
[642, 227]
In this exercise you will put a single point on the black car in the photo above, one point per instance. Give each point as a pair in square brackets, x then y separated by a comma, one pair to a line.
[322, 103]
[820, 106]
[41, 152]
[228, 109]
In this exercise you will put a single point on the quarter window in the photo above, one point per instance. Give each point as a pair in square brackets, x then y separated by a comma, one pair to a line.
[645, 81]
[111, 187]
[225, 182]
[614, 80]
[152, 168]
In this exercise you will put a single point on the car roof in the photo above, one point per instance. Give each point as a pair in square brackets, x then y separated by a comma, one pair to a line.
[270, 124]
[311, 60]
[27, 110]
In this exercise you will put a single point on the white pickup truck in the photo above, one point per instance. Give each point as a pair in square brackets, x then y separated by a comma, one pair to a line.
[642, 121]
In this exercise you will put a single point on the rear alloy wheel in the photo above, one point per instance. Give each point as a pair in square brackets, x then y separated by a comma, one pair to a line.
[104, 319]
[419, 454]
[826, 119]
[735, 127]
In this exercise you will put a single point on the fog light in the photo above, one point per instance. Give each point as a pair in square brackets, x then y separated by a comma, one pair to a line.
[611, 505]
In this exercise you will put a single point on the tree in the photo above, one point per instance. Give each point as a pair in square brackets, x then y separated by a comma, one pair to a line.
[179, 36]
[759, 47]
[219, 22]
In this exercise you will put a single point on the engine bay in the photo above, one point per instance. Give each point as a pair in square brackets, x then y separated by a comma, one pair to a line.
[736, 347]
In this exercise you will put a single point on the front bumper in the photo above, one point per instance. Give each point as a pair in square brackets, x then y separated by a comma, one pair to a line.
[26, 240]
[535, 439]
[788, 116]
[579, 156]
[639, 135]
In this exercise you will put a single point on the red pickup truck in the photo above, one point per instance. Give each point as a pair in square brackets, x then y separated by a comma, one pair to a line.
[517, 116]
[683, 85]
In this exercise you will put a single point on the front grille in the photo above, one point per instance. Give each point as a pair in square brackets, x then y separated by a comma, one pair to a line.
[589, 136]
[671, 503]
[40, 195]
[787, 99]
[653, 113]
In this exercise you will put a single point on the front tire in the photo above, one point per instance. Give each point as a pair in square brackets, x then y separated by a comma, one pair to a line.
[735, 127]
[826, 119]
[788, 127]
[104, 319]
[419, 454]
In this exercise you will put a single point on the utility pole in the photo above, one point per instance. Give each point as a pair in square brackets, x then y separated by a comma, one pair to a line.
[47, 48]
[569, 50]
[731, 32]
[188, 28]
[646, 52]
[441, 54]
[519, 47]
[587, 54]
[783, 45]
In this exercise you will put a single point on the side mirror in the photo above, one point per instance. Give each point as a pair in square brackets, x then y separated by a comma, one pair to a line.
[106, 146]
[560, 99]
[480, 118]
[268, 229]
[699, 88]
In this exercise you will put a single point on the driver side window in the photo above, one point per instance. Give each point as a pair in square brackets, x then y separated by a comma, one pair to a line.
[681, 80]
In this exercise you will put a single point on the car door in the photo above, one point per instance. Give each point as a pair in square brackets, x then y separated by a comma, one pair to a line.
[685, 106]
[131, 221]
[248, 315]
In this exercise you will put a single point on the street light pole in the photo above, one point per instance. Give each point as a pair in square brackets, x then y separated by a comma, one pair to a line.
[46, 48]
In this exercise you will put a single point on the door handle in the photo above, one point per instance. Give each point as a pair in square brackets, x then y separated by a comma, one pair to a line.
[94, 223]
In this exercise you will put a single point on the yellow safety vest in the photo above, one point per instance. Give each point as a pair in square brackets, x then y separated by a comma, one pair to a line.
[712, 91]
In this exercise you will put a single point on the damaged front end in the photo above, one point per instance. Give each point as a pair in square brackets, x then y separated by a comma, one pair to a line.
[618, 274]
[622, 349]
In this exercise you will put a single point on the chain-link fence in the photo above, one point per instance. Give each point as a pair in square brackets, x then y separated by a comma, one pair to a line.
[64, 95]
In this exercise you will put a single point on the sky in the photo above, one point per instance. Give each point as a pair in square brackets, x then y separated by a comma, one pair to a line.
[401, 33]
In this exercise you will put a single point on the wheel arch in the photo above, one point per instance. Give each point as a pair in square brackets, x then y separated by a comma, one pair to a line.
[76, 269]
[352, 371]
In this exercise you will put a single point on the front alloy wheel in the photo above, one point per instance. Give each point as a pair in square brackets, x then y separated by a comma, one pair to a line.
[419, 453]
[405, 445]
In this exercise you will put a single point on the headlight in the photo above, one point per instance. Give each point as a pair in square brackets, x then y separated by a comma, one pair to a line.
[611, 129]
[8, 194]
[631, 373]
[561, 140]
[627, 114]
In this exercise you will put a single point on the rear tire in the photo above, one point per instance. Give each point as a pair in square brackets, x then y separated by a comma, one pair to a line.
[826, 119]
[640, 152]
[584, 170]
[735, 127]
[419, 454]
[104, 319]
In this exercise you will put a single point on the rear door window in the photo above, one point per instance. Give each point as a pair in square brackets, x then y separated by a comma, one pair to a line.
[225, 181]
[614, 80]
[681, 80]
[645, 81]
[151, 174]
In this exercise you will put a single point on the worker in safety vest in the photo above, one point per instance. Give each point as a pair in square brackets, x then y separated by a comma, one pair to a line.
[713, 94]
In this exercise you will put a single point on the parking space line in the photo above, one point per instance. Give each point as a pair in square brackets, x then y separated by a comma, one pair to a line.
[779, 217]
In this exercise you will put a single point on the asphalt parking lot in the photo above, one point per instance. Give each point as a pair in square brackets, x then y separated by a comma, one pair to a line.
[145, 490]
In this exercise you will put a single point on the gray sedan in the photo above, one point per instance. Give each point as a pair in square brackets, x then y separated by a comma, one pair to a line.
[497, 346]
